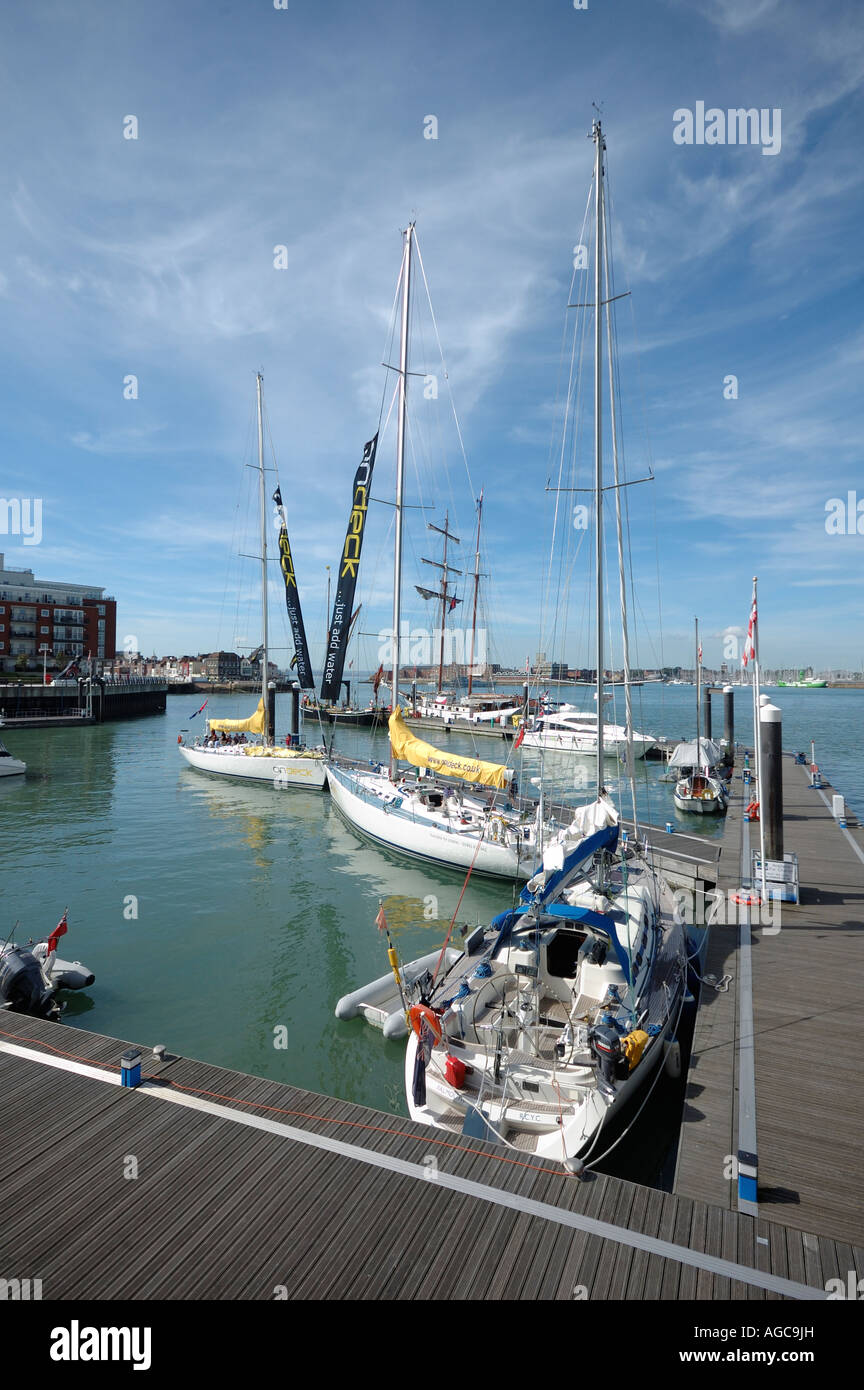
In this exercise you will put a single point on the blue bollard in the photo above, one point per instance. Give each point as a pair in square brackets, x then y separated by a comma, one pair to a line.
[130, 1068]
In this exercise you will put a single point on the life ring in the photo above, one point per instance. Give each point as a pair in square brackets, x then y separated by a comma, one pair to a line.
[179, 738]
[752, 812]
[417, 1013]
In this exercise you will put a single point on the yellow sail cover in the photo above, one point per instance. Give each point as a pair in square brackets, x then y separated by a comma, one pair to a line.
[414, 750]
[253, 725]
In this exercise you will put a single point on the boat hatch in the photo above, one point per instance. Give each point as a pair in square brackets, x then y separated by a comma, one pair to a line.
[562, 953]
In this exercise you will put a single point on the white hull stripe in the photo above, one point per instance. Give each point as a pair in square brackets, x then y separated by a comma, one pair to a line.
[544, 1211]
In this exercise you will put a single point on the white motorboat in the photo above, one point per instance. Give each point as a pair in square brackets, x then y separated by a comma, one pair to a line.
[572, 730]
[261, 759]
[9, 766]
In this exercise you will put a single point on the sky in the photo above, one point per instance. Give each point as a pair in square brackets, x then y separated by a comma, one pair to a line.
[307, 127]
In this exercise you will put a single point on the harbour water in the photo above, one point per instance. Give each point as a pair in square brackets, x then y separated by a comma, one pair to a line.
[222, 919]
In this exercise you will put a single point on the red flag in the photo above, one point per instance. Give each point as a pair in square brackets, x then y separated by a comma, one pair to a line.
[381, 920]
[60, 930]
[750, 643]
[377, 679]
[519, 736]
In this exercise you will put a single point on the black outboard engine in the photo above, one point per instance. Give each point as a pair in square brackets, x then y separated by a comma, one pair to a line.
[22, 985]
[606, 1045]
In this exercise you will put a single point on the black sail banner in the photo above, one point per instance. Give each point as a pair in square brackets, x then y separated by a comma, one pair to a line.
[337, 645]
[292, 601]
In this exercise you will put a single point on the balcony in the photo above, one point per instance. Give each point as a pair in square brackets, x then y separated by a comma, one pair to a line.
[23, 629]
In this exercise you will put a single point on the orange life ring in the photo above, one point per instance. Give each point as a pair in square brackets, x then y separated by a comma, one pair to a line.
[753, 810]
[417, 1013]
[179, 738]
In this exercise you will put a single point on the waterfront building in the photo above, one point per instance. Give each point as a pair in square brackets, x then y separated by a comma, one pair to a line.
[51, 617]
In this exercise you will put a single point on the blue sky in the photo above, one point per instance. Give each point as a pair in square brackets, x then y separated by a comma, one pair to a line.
[304, 127]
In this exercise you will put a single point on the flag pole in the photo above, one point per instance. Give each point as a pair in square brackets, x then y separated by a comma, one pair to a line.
[758, 731]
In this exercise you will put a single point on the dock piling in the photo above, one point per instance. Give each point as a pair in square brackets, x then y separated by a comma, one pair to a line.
[729, 724]
[771, 792]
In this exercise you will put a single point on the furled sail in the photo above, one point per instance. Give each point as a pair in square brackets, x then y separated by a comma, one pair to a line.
[292, 600]
[253, 725]
[337, 645]
[414, 750]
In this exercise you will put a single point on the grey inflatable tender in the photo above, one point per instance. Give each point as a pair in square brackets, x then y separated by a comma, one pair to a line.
[22, 985]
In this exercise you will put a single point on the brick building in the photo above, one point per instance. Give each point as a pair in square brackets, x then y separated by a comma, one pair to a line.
[70, 620]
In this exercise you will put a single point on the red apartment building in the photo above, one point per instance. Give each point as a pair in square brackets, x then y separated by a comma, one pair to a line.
[70, 620]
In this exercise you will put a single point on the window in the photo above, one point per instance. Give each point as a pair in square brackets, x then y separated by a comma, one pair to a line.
[45, 613]
[44, 631]
[101, 610]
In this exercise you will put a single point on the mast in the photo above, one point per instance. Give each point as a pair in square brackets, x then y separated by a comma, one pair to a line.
[400, 465]
[262, 492]
[622, 574]
[698, 702]
[598, 429]
[476, 588]
[443, 596]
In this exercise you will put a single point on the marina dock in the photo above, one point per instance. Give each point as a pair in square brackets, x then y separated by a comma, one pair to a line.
[203, 1183]
[24, 705]
[775, 1071]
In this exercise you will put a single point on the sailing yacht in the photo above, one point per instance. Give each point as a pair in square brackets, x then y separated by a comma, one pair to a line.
[701, 790]
[559, 1011]
[262, 759]
[435, 818]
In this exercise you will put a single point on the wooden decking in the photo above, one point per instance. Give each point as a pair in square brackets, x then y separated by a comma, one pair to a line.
[248, 1189]
[807, 1018]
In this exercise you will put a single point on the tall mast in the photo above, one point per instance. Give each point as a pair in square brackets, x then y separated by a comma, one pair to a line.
[265, 663]
[400, 464]
[598, 428]
[476, 587]
[622, 573]
[443, 596]
[698, 702]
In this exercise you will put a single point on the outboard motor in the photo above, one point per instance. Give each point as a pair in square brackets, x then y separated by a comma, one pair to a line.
[606, 1046]
[22, 985]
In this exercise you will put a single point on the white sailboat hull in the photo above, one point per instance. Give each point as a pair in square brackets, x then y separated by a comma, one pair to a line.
[555, 1142]
[12, 767]
[700, 806]
[291, 771]
[370, 803]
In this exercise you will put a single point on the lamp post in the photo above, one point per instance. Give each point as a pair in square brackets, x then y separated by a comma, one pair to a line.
[45, 649]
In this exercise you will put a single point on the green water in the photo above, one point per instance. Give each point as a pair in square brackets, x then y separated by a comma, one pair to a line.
[216, 914]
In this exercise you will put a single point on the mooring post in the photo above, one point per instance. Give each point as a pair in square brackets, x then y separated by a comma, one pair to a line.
[771, 791]
[525, 701]
[271, 710]
[295, 712]
[729, 724]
